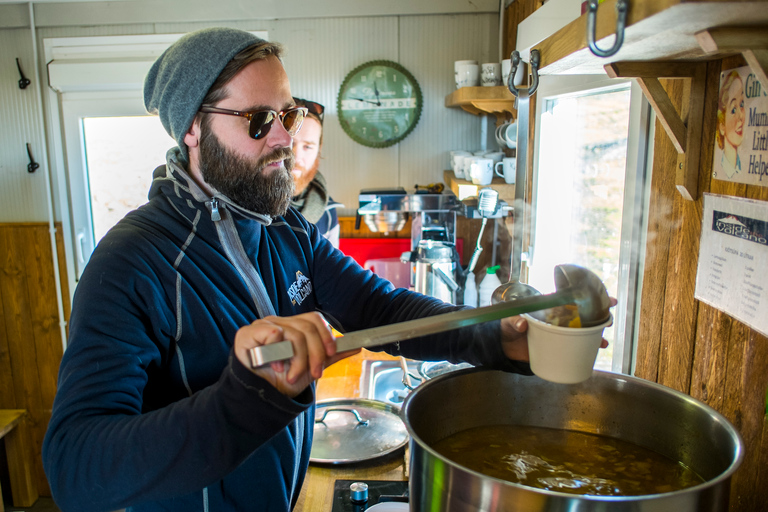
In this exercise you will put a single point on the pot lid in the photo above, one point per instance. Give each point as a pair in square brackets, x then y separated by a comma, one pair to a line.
[354, 430]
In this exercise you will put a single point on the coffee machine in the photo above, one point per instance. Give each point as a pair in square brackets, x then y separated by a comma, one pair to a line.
[435, 262]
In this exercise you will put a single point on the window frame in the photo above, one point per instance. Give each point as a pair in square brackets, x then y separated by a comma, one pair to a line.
[636, 193]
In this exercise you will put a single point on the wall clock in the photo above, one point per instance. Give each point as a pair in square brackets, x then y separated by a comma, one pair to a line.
[379, 103]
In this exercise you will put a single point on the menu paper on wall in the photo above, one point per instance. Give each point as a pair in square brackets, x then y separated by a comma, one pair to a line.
[741, 131]
[733, 258]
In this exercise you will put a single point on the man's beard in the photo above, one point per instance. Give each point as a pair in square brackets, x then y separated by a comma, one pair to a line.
[244, 181]
[306, 177]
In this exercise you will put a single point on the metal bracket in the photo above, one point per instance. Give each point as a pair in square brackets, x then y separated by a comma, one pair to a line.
[622, 7]
[535, 60]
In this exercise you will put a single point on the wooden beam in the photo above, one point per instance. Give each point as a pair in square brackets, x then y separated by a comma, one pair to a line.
[687, 176]
[751, 42]
[665, 111]
[758, 61]
[732, 39]
[682, 135]
[640, 69]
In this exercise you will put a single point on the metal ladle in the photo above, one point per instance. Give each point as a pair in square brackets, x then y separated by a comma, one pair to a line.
[575, 285]
[593, 300]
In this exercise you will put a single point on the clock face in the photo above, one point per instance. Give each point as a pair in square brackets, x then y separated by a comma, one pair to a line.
[379, 103]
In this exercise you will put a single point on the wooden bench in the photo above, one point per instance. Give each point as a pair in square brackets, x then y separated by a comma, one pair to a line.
[23, 487]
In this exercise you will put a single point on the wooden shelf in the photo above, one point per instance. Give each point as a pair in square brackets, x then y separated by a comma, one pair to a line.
[483, 100]
[657, 30]
[464, 188]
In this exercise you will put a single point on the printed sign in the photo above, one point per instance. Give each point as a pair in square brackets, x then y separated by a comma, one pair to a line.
[733, 255]
[741, 134]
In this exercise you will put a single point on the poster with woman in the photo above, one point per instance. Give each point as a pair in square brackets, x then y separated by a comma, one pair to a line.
[741, 135]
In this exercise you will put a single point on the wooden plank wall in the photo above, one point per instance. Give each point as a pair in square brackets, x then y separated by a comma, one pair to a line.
[688, 345]
[30, 339]
[682, 343]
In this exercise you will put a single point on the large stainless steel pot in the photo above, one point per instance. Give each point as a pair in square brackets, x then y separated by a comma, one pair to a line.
[615, 405]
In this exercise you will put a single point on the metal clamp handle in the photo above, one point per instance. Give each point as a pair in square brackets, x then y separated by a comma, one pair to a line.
[360, 421]
[515, 60]
[622, 6]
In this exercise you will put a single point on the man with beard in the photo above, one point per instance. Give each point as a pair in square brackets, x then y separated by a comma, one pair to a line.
[158, 406]
[311, 197]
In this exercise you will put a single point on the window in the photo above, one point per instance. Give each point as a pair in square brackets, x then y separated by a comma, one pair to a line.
[586, 209]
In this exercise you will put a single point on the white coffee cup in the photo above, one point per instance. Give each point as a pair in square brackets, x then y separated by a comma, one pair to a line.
[481, 171]
[468, 75]
[509, 134]
[490, 74]
[563, 354]
[457, 162]
[506, 67]
[508, 169]
[499, 134]
[456, 65]
[466, 163]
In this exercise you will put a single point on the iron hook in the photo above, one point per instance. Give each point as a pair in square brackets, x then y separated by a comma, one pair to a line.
[515, 60]
[32, 166]
[23, 81]
[622, 6]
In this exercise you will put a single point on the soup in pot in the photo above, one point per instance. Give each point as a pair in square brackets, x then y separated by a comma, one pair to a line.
[566, 461]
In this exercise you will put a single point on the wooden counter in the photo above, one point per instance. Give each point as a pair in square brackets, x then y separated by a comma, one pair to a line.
[342, 380]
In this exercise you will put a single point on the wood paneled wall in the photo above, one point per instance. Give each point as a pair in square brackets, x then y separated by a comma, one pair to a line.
[682, 343]
[30, 339]
[688, 345]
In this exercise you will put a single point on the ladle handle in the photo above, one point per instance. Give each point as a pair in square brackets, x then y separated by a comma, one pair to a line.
[410, 329]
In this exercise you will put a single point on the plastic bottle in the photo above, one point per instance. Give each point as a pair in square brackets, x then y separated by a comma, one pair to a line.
[470, 291]
[489, 283]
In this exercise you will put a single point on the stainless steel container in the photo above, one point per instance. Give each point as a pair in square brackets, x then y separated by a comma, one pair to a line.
[435, 270]
[628, 408]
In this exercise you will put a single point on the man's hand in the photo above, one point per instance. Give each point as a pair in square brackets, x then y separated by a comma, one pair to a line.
[314, 349]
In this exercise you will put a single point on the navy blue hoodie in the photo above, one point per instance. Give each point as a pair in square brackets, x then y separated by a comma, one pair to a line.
[153, 411]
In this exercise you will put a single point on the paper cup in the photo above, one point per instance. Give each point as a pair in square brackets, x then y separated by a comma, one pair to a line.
[564, 355]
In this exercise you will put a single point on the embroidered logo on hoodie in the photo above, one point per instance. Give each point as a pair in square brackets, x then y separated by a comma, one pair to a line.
[300, 289]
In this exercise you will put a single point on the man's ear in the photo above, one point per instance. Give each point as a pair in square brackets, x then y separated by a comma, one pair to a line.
[192, 137]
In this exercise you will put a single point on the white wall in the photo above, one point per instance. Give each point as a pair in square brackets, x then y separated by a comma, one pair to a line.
[320, 51]
[324, 40]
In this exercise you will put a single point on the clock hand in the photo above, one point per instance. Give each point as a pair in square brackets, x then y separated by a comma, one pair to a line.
[376, 90]
[366, 101]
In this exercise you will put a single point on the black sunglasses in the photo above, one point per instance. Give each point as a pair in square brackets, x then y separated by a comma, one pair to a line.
[313, 107]
[260, 121]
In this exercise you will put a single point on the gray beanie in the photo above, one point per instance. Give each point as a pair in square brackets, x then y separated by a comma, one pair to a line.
[179, 80]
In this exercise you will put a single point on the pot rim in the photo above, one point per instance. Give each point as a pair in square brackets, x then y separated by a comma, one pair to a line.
[724, 476]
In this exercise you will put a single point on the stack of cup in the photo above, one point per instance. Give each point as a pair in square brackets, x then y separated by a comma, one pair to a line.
[466, 73]
[457, 162]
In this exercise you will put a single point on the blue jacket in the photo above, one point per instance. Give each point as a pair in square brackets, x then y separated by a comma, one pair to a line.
[153, 412]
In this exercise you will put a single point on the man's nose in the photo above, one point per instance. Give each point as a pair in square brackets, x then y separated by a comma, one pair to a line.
[278, 136]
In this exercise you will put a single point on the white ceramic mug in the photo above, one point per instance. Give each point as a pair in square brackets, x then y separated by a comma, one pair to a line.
[456, 65]
[499, 136]
[506, 67]
[457, 162]
[468, 75]
[466, 163]
[509, 134]
[508, 169]
[481, 171]
[490, 74]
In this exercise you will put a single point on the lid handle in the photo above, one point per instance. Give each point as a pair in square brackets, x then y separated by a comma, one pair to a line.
[360, 421]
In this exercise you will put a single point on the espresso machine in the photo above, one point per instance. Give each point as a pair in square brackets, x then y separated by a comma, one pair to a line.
[435, 262]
